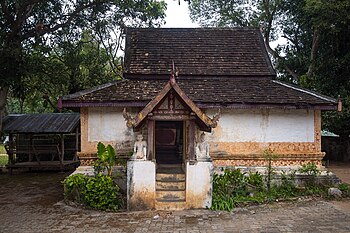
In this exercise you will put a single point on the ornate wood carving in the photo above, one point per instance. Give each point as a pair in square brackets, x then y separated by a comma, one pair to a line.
[130, 121]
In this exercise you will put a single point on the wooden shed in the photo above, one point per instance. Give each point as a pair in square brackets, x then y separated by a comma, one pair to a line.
[42, 141]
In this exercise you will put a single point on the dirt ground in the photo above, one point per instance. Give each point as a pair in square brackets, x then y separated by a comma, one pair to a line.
[342, 170]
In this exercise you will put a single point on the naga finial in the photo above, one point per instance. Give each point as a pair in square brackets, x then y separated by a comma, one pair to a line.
[130, 121]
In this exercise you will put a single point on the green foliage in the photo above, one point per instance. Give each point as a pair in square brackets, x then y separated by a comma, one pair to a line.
[97, 192]
[57, 48]
[309, 169]
[106, 159]
[256, 180]
[316, 53]
[101, 193]
[74, 187]
[233, 188]
[345, 189]
[3, 160]
[270, 172]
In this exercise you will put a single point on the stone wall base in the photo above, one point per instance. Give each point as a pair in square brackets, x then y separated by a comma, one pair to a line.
[199, 184]
[141, 184]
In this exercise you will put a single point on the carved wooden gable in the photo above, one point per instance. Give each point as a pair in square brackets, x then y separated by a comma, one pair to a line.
[172, 103]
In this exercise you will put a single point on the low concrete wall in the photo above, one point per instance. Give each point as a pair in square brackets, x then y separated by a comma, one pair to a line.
[199, 180]
[141, 184]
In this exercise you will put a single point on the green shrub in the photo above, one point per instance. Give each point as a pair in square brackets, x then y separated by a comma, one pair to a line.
[101, 193]
[256, 180]
[74, 187]
[98, 192]
[309, 169]
[344, 188]
[234, 188]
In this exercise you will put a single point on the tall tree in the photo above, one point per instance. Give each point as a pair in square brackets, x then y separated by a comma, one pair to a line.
[317, 52]
[25, 23]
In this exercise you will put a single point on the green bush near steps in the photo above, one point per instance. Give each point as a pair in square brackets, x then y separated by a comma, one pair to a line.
[98, 192]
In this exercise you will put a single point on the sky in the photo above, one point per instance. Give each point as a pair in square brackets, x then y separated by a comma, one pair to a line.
[178, 16]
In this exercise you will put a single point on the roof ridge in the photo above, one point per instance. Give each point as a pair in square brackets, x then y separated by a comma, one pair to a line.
[93, 89]
[304, 90]
[197, 28]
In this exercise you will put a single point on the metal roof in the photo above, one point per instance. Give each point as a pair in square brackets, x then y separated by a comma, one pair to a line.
[41, 123]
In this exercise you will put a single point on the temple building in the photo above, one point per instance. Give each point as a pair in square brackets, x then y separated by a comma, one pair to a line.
[193, 100]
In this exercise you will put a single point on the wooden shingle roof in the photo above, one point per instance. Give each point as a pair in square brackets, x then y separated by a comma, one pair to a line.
[196, 51]
[217, 68]
[206, 93]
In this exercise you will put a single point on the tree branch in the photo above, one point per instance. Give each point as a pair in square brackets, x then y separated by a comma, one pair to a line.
[313, 53]
[47, 29]
[5, 11]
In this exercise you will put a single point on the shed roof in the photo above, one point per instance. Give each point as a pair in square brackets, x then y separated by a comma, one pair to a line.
[41, 123]
[196, 51]
[206, 93]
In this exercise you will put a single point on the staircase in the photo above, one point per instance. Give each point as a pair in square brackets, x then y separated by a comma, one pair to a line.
[170, 187]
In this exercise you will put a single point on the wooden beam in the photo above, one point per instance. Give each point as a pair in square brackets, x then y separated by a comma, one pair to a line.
[172, 117]
[62, 150]
[191, 141]
[10, 153]
[76, 144]
[150, 140]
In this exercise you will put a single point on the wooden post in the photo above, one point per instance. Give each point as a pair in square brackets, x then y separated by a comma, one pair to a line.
[62, 151]
[191, 143]
[31, 149]
[76, 144]
[10, 153]
[150, 139]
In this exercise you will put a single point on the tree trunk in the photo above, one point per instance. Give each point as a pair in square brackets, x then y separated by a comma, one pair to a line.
[313, 53]
[3, 100]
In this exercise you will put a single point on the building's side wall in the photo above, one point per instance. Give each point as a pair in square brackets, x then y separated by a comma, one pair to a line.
[242, 136]
[107, 125]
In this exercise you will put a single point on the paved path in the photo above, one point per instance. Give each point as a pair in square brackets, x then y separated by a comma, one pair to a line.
[32, 203]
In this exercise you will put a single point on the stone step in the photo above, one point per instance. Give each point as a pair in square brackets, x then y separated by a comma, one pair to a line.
[170, 185]
[170, 170]
[170, 177]
[170, 205]
[178, 195]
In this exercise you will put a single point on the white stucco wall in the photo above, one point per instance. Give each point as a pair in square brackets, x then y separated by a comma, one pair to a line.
[141, 184]
[199, 179]
[265, 125]
[107, 124]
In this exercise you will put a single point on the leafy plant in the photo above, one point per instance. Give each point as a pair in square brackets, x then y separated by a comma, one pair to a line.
[344, 188]
[101, 193]
[270, 172]
[311, 170]
[74, 187]
[232, 188]
[256, 180]
[98, 192]
[106, 159]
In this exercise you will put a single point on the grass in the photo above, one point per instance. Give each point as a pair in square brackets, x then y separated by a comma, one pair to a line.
[2, 150]
[3, 156]
[3, 160]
